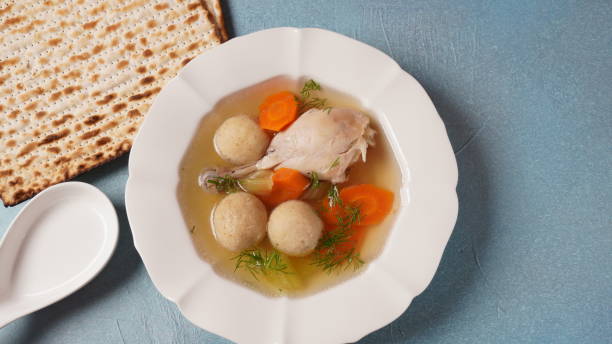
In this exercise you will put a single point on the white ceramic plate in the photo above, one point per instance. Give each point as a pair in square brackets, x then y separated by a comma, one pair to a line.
[352, 309]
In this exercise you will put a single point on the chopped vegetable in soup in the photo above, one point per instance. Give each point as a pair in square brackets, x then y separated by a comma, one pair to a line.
[289, 188]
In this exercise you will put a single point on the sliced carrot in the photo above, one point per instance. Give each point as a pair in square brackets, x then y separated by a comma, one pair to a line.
[374, 204]
[288, 184]
[278, 111]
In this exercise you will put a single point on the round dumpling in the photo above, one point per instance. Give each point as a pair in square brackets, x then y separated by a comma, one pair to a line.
[294, 228]
[239, 221]
[239, 140]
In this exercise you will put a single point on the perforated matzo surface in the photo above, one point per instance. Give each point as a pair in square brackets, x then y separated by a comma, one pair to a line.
[77, 77]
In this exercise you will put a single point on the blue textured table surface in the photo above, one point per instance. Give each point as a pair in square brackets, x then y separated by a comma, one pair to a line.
[525, 90]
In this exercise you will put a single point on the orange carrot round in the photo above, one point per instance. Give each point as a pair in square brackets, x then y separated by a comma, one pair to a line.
[288, 184]
[374, 204]
[278, 111]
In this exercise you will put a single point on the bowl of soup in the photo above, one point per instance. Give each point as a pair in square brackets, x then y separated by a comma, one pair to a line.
[292, 186]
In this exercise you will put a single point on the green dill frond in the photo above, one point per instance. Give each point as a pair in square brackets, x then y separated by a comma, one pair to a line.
[226, 184]
[327, 255]
[331, 261]
[354, 215]
[342, 233]
[333, 238]
[352, 259]
[319, 103]
[307, 102]
[257, 262]
[314, 180]
[308, 87]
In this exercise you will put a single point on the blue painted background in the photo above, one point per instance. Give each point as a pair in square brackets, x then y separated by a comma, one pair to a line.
[525, 90]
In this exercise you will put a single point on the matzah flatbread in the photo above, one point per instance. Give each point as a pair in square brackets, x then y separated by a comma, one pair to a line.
[214, 7]
[77, 77]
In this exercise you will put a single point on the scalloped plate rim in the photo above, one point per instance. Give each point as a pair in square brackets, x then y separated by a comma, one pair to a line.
[133, 185]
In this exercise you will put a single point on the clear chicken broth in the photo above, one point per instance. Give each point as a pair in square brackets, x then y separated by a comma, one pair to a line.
[381, 169]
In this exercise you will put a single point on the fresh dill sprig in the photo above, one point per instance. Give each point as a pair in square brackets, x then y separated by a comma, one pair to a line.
[353, 217]
[328, 255]
[258, 262]
[226, 184]
[343, 232]
[330, 258]
[317, 188]
[331, 239]
[331, 261]
[308, 102]
[316, 102]
[308, 87]
[314, 180]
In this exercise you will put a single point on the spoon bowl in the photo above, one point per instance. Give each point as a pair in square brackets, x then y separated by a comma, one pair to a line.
[57, 243]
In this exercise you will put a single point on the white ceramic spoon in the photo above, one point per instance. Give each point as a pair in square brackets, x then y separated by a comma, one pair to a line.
[57, 243]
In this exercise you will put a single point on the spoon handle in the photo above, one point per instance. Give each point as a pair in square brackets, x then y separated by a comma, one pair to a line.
[14, 308]
[7, 315]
